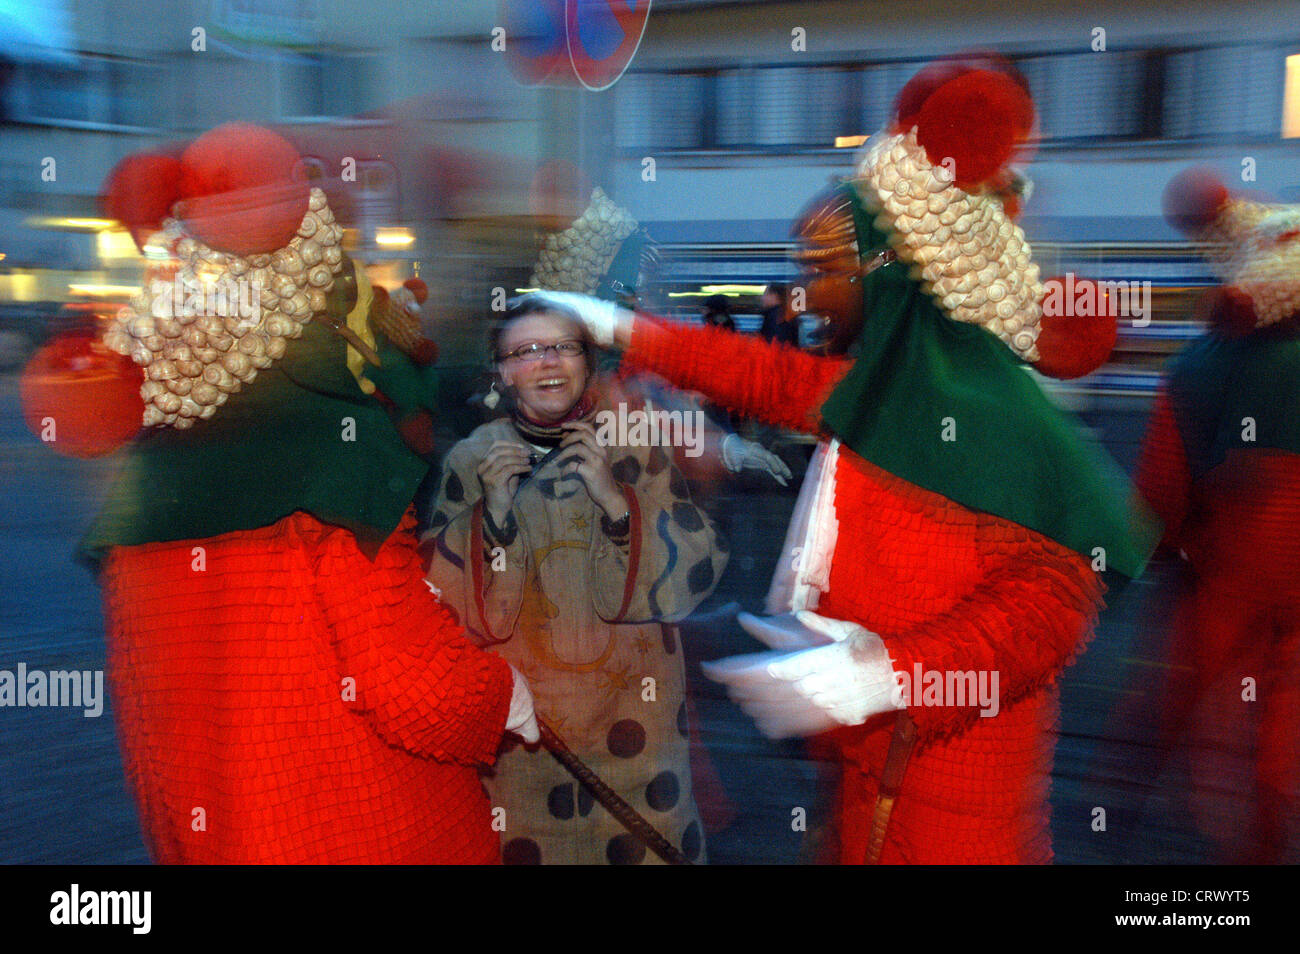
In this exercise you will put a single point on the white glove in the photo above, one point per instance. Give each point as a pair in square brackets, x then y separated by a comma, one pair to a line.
[844, 681]
[600, 318]
[521, 719]
[739, 454]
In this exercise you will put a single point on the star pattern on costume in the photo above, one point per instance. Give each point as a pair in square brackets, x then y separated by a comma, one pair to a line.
[580, 523]
[642, 644]
[616, 680]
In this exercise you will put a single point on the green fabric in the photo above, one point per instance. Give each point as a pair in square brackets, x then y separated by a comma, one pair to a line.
[1014, 454]
[408, 386]
[276, 447]
[1217, 383]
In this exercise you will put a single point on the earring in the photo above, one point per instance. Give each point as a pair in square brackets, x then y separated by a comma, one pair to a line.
[492, 398]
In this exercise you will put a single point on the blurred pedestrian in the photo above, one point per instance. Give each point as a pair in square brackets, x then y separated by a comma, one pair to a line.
[778, 325]
[716, 313]
[287, 689]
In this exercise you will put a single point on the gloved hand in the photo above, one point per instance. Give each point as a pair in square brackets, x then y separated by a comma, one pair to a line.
[843, 678]
[602, 319]
[739, 454]
[521, 719]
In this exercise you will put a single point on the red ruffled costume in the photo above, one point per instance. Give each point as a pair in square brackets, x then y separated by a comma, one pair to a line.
[1239, 528]
[245, 741]
[944, 586]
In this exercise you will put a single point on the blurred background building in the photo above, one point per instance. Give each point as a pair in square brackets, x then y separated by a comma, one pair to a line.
[731, 116]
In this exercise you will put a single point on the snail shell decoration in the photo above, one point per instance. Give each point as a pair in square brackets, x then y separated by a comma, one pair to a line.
[971, 257]
[574, 260]
[1256, 248]
[205, 333]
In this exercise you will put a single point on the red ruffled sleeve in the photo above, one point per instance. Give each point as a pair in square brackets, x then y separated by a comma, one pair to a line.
[775, 383]
[1028, 620]
[418, 679]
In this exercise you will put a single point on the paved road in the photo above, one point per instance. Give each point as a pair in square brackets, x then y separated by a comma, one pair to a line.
[62, 797]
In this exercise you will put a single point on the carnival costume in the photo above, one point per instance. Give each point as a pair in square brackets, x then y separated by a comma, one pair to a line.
[953, 523]
[1220, 467]
[286, 686]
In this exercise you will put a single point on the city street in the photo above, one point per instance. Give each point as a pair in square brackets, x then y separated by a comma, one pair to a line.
[63, 798]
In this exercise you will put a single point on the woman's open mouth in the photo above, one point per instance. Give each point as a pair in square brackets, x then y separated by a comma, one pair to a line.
[551, 385]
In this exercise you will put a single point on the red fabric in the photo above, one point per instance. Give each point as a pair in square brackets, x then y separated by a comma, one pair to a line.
[229, 686]
[776, 383]
[1239, 527]
[1163, 478]
[945, 587]
[634, 550]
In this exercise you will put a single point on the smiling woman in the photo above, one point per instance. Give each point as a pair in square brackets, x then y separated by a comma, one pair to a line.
[570, 556]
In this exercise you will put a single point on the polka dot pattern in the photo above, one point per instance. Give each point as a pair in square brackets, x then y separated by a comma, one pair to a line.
[626, 738]
[521, 851]
[663, 792]
[625, 849]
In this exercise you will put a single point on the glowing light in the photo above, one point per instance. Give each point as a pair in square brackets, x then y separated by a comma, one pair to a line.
[849, 142]
[71, 222]
[1291, 98]
[394, 238]
[105, 291]
[732, 291]
[114, 244]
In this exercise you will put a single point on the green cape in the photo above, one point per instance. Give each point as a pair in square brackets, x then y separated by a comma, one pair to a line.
[919, 376]
[1228, 394]
[282, 444]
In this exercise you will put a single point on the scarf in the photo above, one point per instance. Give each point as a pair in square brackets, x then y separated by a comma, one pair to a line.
[550, 435]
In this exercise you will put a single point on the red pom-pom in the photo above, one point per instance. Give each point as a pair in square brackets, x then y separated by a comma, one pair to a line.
[80, 398]
[907, 107]
[418, 288]
[425, 353]
[1228, 310]
[1078, 329]
[240, 193]
[1193, 198]
[417, 432]
[140, 192]
[975, 120]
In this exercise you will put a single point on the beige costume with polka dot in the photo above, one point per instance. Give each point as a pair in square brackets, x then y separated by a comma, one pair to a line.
[588, 620]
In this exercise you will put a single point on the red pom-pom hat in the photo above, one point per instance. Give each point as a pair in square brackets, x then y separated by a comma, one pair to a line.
[239, 190]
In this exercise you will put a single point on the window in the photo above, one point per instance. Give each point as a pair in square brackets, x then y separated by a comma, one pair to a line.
[96, 92]
[323, 84]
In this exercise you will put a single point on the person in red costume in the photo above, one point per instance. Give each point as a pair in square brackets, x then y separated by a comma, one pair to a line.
[1220, 466]
[953, 524]
[286, 686]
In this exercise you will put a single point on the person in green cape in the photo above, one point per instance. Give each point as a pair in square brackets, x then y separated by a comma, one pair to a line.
[946, 558]
[287, 688]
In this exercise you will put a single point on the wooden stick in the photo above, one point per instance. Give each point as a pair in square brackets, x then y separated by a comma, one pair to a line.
[891, 780]
[627, 816]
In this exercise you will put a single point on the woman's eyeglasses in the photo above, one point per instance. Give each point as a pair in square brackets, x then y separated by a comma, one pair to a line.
[534, 352]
